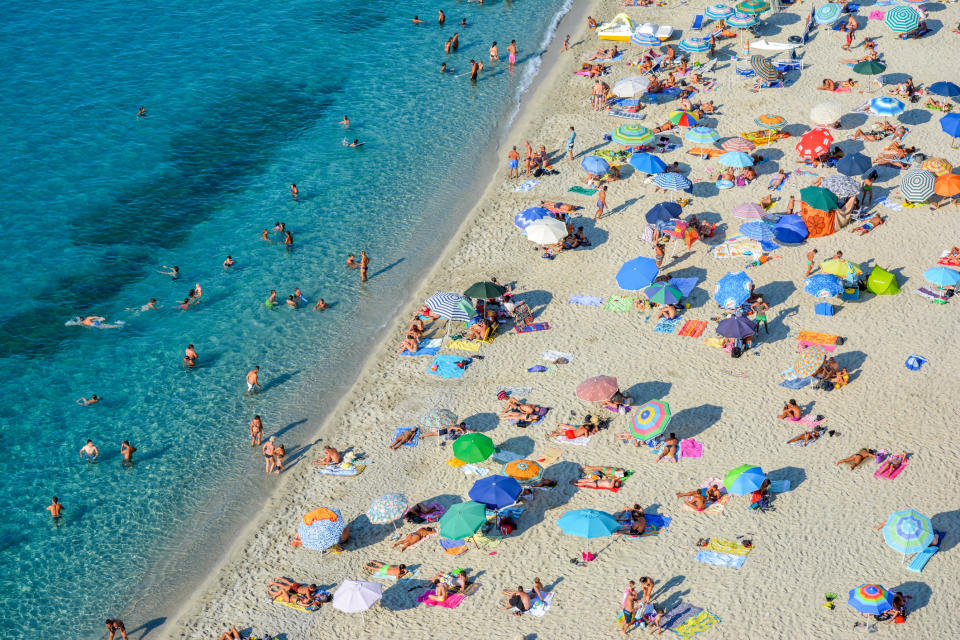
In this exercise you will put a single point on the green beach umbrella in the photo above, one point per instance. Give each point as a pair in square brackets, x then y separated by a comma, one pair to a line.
[485, 290]
[745, 479]
[869, 67]
[473, 447]
[752, 7]
[631, 135]
[908, 531]
[462, 520]
[663, 293]
[819, 198]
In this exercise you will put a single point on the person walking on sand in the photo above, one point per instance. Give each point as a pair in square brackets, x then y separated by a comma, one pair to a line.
[364, 265]
[268, 451]
[601, 202]
[570, 139]
[513, 164]
[256, 431]
[512, 52]
[790, 205]
[56, 510]
[811, 255]
[253, 380]
[126, 452]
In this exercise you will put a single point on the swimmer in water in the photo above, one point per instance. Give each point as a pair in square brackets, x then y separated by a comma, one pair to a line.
[150, 306]
[188, 362]
[94, 399]
[277, 227]
[356, 143]
[56, 510]
[294, 191]
[463, 22]
[352, 262]
[272, 299]
[416, 20]
[229, 262]
[142, 113]
[265, 235]
[455, 43]
[441, 17]
[444, 69]
[89, 451]
[92, 321]
[253, 380]
[320, 306]
[256, 431]
[288, 241]
[126, 450]
[173, 273]
[474, 70]
[292, 302]
[494, 55]
[345, 122]
[299, 296]
[191, 353]
[197, 292]
[186, 303]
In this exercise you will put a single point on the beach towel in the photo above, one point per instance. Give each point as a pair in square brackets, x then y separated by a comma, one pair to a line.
[921, 559]
[824, 339]
[452, 602]
[780, 187]
[890, 204]
[721, 559]
[667, 325]
[654, 525]
[619, 303]
[552, 356]
[428, 347]
[582, 190]
[409, 575]
[727, 546]
[624, 113]
[294, 605]
[337, 470]
[582, 441]
[540, 607]
[885, 472]
[686, 285]
[474, 470]
[587, 301]
[454, 547]
[948, 262]
[516, 392]
[932, 295]
[526, 185]
[416, 437]
[456, 463]
[693, 328]
[680, 613]
[532, 328]
[619, 56]
[550, 456]
[716, 343]
[876, 15]
[691, 448]
[700, 622]
[446, 366]
[796, 383]
[464, 345]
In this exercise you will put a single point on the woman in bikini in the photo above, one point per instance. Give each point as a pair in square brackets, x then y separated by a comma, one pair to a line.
[791, 410]
[698, 498]
[518, 410]
[572, 432]
[598, 483]
[808, 436]
[669, 448]
[413, 538]
[635, 520]
[857, 459]
[384, 569]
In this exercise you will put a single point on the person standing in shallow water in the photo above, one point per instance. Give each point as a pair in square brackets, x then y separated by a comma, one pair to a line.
[364, 265]
[512, 52]
[126, 450]
[56, 510]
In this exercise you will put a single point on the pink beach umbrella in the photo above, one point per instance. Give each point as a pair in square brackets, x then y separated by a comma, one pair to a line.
[749, 211]
[597, 389]
[738, 144]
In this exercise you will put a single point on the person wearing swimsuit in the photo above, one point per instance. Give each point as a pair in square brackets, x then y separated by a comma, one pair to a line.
[268, 450]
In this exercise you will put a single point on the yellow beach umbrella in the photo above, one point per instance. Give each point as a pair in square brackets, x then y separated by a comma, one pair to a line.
[937, 166]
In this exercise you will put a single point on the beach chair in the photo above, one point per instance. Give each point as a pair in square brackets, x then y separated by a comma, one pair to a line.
[522, 316]
[697, 22]
[921, 559]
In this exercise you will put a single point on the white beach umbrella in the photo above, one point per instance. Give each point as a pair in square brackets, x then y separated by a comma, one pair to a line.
[547, 231]
[825, 113]
[630, 87]
[355, 596]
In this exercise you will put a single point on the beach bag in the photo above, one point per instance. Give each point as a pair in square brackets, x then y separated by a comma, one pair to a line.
[507, 526]
[899, 619]
[736, 352]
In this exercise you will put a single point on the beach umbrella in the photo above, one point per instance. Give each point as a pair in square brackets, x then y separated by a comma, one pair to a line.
[744, 479]
[631, 86]
[523, 471]
[950, 124]
[808, 361]
[770, 121]
[737, 159]
[937, 166]
[354, 596]
[826, 112]
[663, 293]
[546, 231]
[841, 186]
[948, 185]
[528, 216]
[828, 13]
[588, 523]
[497, 492]
[763, 68]
[869, 67]
[886, 106]
[908, 531]
[672, 181]
[438, 419]
[694, 45]
[738, 144]
[854, 164]
[485, 290]
[595, 165]
[901, 19]
[647, 163]
[749, 211]
[757, 230]
[946, 89]
[597, 388]
[870, 598]
[451, 306]
[644, 39]
[942, 277]
[882, 283]
[843, 269]
[472, 447]
[736, 327]
[387, 508]
[650, 420]
[917, 185]
[683, 118]
[823, 285]
[752, 7]
[718, 12]
[631, 135]
[814, 144]
[663, 212]
[732, 290]
[637, 274]
[819, 198]
[741, 20]
[702, 135]
[791, 228]
[321, 529]
[462, 519]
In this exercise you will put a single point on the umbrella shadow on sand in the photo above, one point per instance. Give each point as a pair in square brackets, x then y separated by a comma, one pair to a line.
[795, 475]
[947, 521]
[646, 391]
[521, 445]
[693, 421]
[776, 292]
[537, 300]
[915, 117]
[482, 422]
[402, 595]
[852, 361]
[544, 499]
[919, 593]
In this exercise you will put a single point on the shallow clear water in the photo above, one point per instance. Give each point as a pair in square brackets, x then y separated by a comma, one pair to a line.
[242, 99]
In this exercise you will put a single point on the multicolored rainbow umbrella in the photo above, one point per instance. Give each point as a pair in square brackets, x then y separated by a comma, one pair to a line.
[683, 118]
[745, 479]
[937, 166]
[649, 420]
[908, 531]
[870, 598]
[718, 12]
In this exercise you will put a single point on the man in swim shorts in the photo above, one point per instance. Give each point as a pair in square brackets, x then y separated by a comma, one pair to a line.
[629, 608]
[253, 380]
[364, 265]
[519, 601]
[126, 452]
[89, 451]
[810, 257]
[513, 162]
[55, 509]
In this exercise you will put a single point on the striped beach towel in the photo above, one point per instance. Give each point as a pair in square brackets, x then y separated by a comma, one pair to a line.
[693, 328]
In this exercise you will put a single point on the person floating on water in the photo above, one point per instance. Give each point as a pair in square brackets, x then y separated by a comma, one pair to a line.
[94, 399]
[126, 450]
[56, 510]
[89, 451]
[173, 273]
[416, 20]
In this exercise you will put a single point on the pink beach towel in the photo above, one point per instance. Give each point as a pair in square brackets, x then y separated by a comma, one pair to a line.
[885, 472]
[803, 344]
[452, 602]
[690, 448]
[877, 15]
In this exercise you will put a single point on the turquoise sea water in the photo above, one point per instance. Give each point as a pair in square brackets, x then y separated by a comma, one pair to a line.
[242, 99]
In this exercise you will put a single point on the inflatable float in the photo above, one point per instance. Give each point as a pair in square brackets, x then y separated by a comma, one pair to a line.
[620, 28]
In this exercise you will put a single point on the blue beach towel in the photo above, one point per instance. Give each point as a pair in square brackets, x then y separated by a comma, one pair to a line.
[667, 325]
[412, 443]
[678, 615]
[796, 383]
[619, 56]
[587, 301]
[721, 559]
[429, 347]
[921, 559]
[447, 366]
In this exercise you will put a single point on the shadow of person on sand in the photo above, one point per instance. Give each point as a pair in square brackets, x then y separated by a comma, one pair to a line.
[147, 627]
[919, 593]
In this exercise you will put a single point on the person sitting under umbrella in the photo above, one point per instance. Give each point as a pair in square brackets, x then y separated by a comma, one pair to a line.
[413, 538]
[698, 498]
[666, 311]
[617, 401]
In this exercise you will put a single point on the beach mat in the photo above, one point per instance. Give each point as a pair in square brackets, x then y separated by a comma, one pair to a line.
[721, 559]
[582, 441]
[538, 607]
[552, 356]
[428, 347]
[619, 303]
[337, 470]
[654, 525]
[464, 345]
[691, 448]
[532, 328]
[294, 605]
[452, 602]
[516, 392]
[587, 301]
[796, 383]
[680, 613]
[698, 623]
[667, 325]
[626, 113]
[693, 328]
[413, 442]
[550, 456]
[526, 185]
[446, 366]
[727, 546]
[582, 190]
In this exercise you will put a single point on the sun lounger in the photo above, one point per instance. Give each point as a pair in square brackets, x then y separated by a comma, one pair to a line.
[921, 559]
[932, 296]
[886, 472]
[697, 22]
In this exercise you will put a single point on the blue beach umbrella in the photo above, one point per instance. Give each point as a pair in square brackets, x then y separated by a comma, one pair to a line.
[737, 159]
[946, 89]
[902, 19]
[644, 39]
[744, 479]
[908, 531]
[823, 285]
[942, 276]
[732, 290]
[854, 164]
[791, 228]
[647, 163]
[757, 230]
[588, 523]
[886, 106]
[496, 491]
[828, 13]
[672, 181]
[595, 165]
[637, 274]
[694, 45]
[529, 216]
[321, 534]
[950, 124]
[663, 212]
[736, 327]
[718, 12]
[702, 135]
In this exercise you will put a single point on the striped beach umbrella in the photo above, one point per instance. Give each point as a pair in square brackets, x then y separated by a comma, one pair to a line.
[631, 86]
[672, 181]
[523, 471]
[683, 118]
[823, 285]
[917, 3]
[948, 185]
[749, 211]
[451, 306]
[757, 230]
[814, 144]
[937, 166]
[828, 13]
[324, 529]
[732, 290]
[745, 479]
[870, 599]
[825, 113]
[842, 186]
[663, 293]
[886, 106]
[808, 361]
[438, 419]
[597, 388]
[473, 447]
[649, 420]
[644, 39]
[752, 7]
[770, 121]
[718, 12]
[702, 135]
[387, 508]
[945, 89]
[631, 135]
[917, 185]
[741, 21]
[901, 19]
[819, 198]
[737, 159]
[647, 163]
[738, 144]
[528, 216]
[694, 45]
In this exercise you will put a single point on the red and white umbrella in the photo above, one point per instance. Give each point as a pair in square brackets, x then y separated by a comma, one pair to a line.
[814, 144]
[738, 144]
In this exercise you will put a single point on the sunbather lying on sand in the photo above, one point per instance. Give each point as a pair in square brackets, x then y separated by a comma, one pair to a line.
[808, 436]
[598, 483]
[698, 498]
[634, 518]
[515, 409]
[572, 432]
[418, 512]
[603, 54]
[791, 410]
[612, 472]
[413, 538]
[941, 106]
[858, 458]
[233, 634]
[384, 569]
[404, 437]
[451, 433]
[289, 591]
[456, 580]
[777, 180]
[561, 206]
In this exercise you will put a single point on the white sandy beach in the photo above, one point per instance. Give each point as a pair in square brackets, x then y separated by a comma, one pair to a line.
[819, 539]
